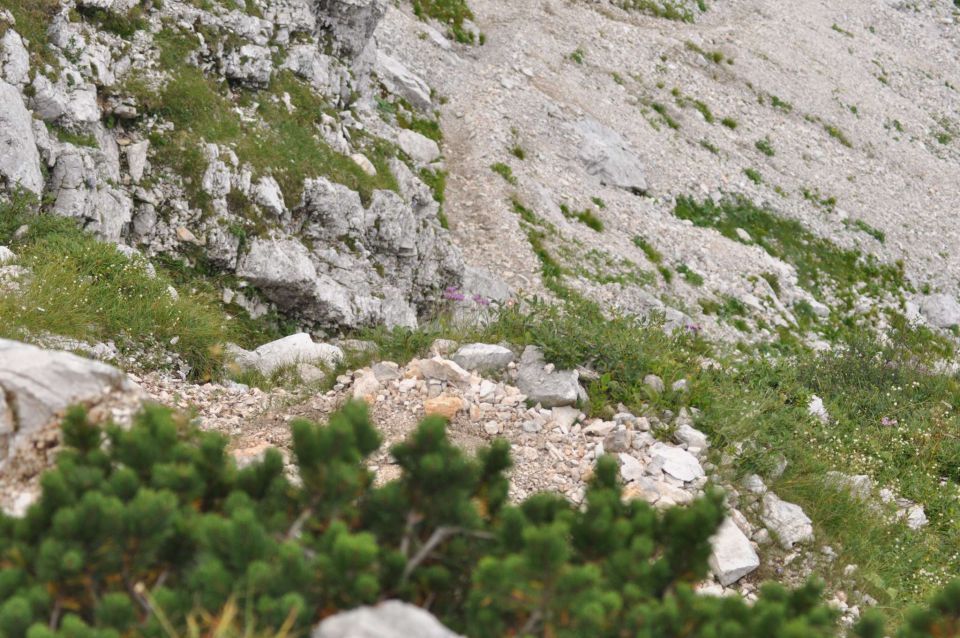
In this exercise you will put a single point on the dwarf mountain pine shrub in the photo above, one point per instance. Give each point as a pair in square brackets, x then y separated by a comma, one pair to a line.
[140, 529]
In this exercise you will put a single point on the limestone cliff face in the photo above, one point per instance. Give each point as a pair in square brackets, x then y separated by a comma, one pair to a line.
[259, 138]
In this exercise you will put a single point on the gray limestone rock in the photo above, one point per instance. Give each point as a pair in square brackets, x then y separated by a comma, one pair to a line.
[390, 619]
[787, 520]
[548, 388]
[484, 357]
[608, 157]
[19, 159]
[350, 22]
[732, 556]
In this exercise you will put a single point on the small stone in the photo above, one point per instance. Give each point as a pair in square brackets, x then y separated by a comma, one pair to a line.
[654, 382]
[365, 164]
[680, 385]
[618, 441]
[443, 370]
[6, 255]
[443, 405]
[184, 235]
[691, 437]
[483, 357]
[492, 428]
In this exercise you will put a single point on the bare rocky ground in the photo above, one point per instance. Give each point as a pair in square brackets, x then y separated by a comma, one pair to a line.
[884, 75]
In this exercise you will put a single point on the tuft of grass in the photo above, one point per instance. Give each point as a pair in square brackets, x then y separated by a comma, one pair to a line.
[578, 55]
[33, 17]
[586, 217]
[765, 147]
[85, 289]
[652, 254]
[71, 137]
[835, 132]
[124, 25]
[662, 111]
[452, 13]
[504, 171]
[680, 10]
[691, 276]
[730, 123]
[517, 151]
[753, 175]
[598, 202]
[814, 195]
[429, 128]
[781, 104]
[876, 233]
[710, 146]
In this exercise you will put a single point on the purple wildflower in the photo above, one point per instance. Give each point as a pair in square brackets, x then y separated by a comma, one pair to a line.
[452, 293]
[481, 300]
[888, 422]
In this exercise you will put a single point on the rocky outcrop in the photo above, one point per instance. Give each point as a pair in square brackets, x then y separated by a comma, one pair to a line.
[36, 388]
[349, 22]
[19, 160]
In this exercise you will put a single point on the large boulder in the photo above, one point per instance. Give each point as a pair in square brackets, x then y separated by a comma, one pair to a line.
[732, 556]
[941, 310]
[38, 384]
[550, 388]
[351, 23]
[676, 462]
[419, 148]
[36, 388]
[389, 619]
[19, 159]
[607, 156]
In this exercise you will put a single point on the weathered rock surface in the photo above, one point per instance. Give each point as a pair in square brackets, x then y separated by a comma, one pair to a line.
[483, 357]
[732, 557]
[19, 160]
[39, 384]
[291, 350]
[941, 310]
[608, 157]
[676, 462]
[544, 385]
[390, 619]
[787, 520]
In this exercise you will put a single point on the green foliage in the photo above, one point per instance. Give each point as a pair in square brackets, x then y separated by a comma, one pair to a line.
[874, 232]
[729, 122]
[765, 147]
[891, 419]
[123, 25]
[429, 128]
[681, 10]
[662, 111]
[86, 289]
[781, 104]
[504, 171]
[72, 137]
[693, 278]
[452, 13]
[586, 217]
[517, 151]
[578, 55]
[753, 175]
[835, 132]
[160, 518]
[819, 261]
[651, 253]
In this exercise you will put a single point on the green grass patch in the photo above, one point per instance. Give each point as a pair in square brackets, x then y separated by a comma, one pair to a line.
[452, 13]
[730, 123]
[680, 10]
[504, 171]
[429, 128]
[124, 25]
[837, 134]
[652, 254]
[72, 137]
[578, 55]
[781, 104]
[33, 17]
[517, 151]
[819, 262]
[691, 276]
[85, 289]
[765, 147]
[586, 217]
[874, 232]
[753, 175]
[662, 111]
